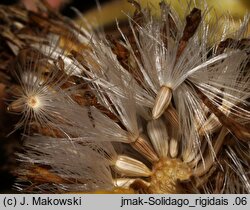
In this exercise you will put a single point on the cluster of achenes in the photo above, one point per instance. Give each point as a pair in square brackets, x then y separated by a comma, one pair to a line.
[164, 108]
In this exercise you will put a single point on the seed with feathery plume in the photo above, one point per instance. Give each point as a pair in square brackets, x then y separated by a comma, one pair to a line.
[40, 94]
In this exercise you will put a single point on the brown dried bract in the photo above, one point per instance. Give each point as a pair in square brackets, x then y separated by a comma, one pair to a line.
[192, 22]
[138, 15]
[123, 55]
[243, 44]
